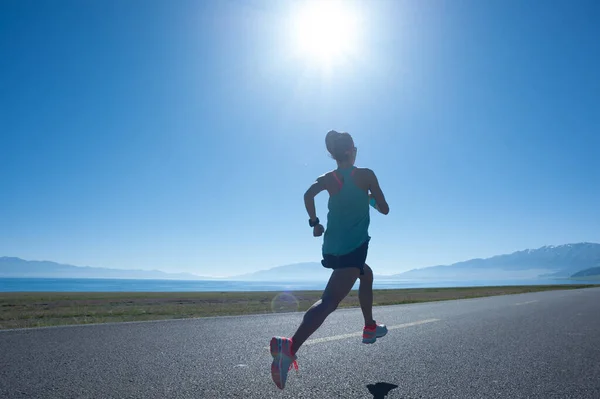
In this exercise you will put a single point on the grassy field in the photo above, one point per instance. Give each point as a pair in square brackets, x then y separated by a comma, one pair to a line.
[18, 310]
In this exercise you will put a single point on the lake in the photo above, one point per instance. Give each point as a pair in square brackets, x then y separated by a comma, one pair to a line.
[123, 285]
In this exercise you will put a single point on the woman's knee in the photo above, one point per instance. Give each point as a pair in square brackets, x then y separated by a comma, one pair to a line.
[368, 274]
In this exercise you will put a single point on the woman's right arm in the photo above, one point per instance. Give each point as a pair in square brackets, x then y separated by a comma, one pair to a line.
[309, 203]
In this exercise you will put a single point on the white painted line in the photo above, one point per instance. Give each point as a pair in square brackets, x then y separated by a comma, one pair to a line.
[525, 303]
[359, 334]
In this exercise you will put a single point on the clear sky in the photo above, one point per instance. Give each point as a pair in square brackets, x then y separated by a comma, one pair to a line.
[182, 135]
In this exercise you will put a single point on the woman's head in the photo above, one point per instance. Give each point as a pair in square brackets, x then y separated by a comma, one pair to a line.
[340, 146]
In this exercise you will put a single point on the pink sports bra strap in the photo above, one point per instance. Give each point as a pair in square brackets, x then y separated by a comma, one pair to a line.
[337, 178]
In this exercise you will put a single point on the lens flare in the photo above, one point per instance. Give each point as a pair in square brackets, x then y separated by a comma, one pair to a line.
[284, 302]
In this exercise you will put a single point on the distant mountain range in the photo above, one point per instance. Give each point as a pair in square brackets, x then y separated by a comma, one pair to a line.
[309, 271]
[546, 262]
[562, 261]
[591, 272]
[16, 267]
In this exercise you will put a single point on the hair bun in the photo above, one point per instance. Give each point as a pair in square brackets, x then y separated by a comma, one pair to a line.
[330, 139]
[339, 145]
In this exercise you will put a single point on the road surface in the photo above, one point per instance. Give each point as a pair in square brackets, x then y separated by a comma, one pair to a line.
[542, 345]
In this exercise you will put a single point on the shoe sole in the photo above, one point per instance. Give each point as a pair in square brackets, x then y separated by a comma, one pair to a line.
[276, 365]
[274, 347]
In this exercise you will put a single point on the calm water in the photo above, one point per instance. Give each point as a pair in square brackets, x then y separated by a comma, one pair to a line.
[106, 285]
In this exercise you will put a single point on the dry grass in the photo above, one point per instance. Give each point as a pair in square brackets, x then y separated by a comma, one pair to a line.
[18, 310]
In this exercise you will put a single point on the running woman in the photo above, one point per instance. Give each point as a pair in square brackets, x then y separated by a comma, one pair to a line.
[351, 191]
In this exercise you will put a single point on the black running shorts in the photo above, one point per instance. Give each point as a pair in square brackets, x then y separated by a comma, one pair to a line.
[356, 258]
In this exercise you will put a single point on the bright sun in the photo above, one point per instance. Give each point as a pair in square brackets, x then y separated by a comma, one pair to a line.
[326, 31]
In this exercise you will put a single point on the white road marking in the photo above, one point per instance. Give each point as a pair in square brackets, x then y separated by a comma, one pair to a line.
[359, 334]
[525, 303]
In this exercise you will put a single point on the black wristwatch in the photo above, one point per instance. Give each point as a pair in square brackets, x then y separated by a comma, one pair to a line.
[313, 224]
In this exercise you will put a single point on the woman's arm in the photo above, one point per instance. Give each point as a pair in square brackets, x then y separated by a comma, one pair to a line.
[309, 203]
[377, 194]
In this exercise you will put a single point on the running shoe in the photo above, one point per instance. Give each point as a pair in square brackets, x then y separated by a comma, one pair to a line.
[372, 332]
[283, 360]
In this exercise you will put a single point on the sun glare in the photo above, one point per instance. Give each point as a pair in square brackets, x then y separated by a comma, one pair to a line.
[326, 31]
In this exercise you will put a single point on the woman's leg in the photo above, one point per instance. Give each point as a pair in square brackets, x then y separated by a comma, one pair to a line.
[339, 285]
[365, 295]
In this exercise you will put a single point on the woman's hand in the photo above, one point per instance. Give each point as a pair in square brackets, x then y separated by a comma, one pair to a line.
[318, 230]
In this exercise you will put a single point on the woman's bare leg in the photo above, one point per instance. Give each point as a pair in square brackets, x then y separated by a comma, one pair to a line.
[339, 285]
[365, 295]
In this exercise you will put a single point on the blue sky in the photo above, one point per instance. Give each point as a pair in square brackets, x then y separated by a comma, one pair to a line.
[181, 136]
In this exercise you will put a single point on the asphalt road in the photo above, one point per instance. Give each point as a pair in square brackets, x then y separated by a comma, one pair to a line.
[542, 345]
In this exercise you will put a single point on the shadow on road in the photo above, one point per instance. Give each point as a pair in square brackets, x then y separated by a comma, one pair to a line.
[381, 389]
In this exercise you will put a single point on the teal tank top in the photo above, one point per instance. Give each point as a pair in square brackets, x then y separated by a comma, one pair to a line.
[348, 217]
